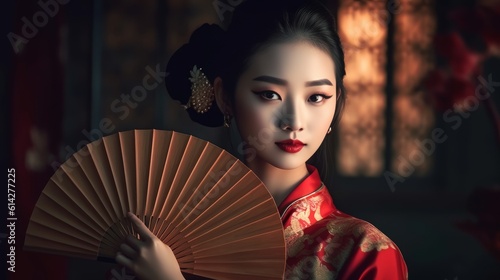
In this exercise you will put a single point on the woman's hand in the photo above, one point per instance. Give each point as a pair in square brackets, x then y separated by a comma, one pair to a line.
[149, 258]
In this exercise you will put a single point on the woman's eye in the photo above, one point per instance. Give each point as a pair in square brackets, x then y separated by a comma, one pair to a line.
[269, 95]
[317, 98]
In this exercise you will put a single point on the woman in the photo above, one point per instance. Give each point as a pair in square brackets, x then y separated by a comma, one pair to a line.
[278, 71]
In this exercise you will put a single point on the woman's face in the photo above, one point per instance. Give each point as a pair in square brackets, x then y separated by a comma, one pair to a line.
[288, 92]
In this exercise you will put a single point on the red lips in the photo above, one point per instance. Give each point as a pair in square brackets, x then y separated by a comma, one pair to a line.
[290, 146]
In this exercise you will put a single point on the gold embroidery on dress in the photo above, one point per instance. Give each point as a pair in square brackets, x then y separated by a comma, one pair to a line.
[372, 238]
[323, 266]
[296, 245]
[310, 268]
[300, 219]
[337, 251]
[325, 250]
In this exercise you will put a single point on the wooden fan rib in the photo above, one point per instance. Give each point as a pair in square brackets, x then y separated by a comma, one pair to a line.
[154, 221]
[55, 220]
[243, 272]
[233, 232]
[205, 165]
[226, 223]
[168, 174]
[251, 266]
[214, 195]
[228, 276]
[143, 140]
[49, 213]
[258, 248]
[184, 253]
[127, 226]
[159, 151]
[55, 200]
[55, 247]
[265, 255]
[176, 236]
[87, 165]
[119, 234]
[227, 226]
[217, 225]
[107, 183]
[197, 254]
[91, 204]
[172, 166]
[86, 199]
[189, 161]
[122, 228]
[73, 233]
[181, 248]
[113, 152]
[175, 190]
[127, 147]
[254, 269]
[199, 181]
[261, 241]
[77, 241]
[230, 199]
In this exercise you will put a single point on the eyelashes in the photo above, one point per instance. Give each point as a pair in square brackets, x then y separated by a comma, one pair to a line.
[269, 95]
[325, 96]
[322, 95]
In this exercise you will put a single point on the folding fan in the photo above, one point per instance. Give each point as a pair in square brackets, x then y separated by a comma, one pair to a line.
[210, 208]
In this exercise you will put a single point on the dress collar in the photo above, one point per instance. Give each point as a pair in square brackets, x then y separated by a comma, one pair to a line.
[310, 184]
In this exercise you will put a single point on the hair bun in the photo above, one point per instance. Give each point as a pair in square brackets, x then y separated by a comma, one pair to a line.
[202, 50]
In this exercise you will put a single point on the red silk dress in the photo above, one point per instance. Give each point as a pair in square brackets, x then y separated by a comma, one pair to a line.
[324, 243]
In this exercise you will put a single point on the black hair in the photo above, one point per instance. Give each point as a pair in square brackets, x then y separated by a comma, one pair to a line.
[255, 25]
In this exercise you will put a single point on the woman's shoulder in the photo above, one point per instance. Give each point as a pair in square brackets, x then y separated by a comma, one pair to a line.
[343, 247]
[368, 237]
[326, 243]
[368, 251]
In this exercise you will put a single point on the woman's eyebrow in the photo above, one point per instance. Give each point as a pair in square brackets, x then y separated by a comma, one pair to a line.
[319, 83]
[281, 82]
[272, 80]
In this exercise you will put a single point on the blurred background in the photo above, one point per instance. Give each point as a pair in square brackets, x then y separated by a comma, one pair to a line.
[418, 148]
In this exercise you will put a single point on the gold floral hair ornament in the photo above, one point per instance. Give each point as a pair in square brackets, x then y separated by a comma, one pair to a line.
[202, 92]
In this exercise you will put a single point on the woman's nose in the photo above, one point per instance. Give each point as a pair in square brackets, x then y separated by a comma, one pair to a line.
[291, 118]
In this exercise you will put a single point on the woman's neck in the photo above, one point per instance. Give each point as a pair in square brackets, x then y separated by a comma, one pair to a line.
[279, 182]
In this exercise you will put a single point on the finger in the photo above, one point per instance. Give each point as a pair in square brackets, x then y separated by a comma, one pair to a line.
[133, 242]
[123, 260]
[140, 227]
[128, 251]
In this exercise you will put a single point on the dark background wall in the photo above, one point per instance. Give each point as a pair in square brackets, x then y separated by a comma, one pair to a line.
[76, 67]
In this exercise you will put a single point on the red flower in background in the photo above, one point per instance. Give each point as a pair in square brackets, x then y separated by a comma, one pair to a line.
[483, 20]
[450, 85]
[462, 61]
[454, 80]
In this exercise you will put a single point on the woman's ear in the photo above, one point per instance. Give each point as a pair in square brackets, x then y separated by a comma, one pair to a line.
[222, 100]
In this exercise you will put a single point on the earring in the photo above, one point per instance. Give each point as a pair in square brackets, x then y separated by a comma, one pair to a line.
[202, 92]
[329, 130]
[227, 120]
